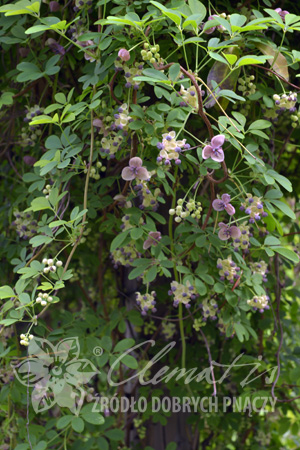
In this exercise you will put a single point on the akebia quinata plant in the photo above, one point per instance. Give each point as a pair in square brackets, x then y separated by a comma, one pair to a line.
[149, 223]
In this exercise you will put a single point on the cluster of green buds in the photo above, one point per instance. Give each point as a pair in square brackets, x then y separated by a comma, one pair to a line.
[182, 293]
[125, 255]
[149, 327]
[148, 199]
[192, 208]
[51, 266]
[141, 430]
[47, 190]
[198, 323]
[168, 329]
[223, 327]
[126, 225]
[209, 309]
[43, 299]
[25, 225]
[110, 145]
[243, 241]
[189, 97]
[259, 302]
[94, 172]
[29, 138]
[254, 207]
[246, 85]
[25, 338]
[146, 302]
[228, 269]
[79, 4]
[261, 268]
[151, 54]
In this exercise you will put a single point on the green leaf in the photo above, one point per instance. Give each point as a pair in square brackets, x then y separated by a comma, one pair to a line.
[173, 15]
[260, 125]
[39, 204]
[240, 331]
[197, 8]
[64, 421]
[171, 446]
[251, 59]
[289, 254]
[174, 71]
[124, 345]
[40, 240]
[77, 424]
[93, 418]
[6, 292]
[129, 361]
[37, 29]
[118, 240]
[151, 274]
[284, 208]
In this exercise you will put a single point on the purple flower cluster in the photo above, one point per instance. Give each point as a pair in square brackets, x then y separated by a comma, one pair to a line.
[146, 302]
[254, 208]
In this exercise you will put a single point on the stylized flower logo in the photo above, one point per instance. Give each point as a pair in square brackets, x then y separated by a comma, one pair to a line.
[55, 373]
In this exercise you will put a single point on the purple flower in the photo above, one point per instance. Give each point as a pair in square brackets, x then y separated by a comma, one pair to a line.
[224, 203]
[29, 160]
[153, 238]
[211, 29]
[135, 170]
[281, 13]
[124, 54]
[214, 149]
[227, 232]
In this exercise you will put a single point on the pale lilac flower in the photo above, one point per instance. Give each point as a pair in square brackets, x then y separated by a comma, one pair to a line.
[227, 232]
[223, 203]
[153, 237]
[281, 13]
[214, 149]
[124, 54]
[135, 170]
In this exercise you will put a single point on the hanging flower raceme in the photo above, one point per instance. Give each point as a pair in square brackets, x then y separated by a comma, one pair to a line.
[226, 232]
[228, 269]
[209, 309]
[243, 241]
[182, 293]
[148, 198]
[254, 207]
[170, 148]
[189, 97]
[122, 118]
[153, 238]
[223, 203]
[259, 303]
[146, 302]
[135, 170]
[214, 149]
[261, 268]
[125, 255]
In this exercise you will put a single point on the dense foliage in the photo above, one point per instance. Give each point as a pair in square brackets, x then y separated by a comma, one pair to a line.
[149, 182]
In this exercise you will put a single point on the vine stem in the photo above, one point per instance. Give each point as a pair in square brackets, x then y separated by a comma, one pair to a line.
[85, 198]
[180, 316]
